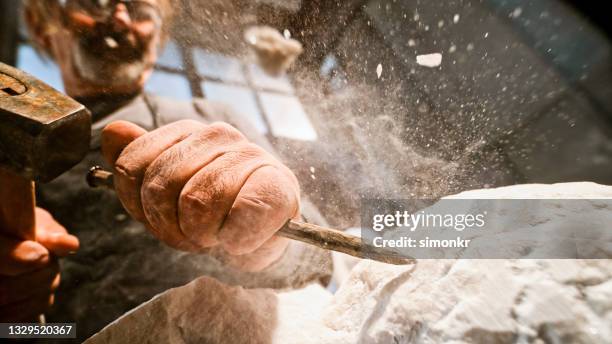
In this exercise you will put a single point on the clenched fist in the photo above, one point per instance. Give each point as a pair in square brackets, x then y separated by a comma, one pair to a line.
[199, 186]
[29, 273]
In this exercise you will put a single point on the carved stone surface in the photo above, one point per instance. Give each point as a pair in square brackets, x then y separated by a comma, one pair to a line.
[432, 301]
[207, 311]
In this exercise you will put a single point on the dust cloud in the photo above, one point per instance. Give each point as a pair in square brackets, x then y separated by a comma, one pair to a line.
[407, 101]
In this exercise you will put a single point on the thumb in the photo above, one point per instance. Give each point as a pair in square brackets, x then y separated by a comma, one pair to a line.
[116, 136]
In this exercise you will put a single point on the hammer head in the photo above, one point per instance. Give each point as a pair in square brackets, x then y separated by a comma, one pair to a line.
[43, 132]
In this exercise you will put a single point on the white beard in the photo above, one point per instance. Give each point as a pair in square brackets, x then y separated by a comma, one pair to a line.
[96, 70]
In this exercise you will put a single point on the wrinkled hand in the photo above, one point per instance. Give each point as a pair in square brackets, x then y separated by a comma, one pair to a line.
[199, 186]
[29, 273]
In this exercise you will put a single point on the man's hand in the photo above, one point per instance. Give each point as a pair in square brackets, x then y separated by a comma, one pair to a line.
[29, 273]
[199, 186]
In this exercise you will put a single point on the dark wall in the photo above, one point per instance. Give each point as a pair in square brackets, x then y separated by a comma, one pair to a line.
[597, 11]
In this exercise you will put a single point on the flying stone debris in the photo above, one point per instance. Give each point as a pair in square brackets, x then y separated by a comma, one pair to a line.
[275, 52]
[429, 60]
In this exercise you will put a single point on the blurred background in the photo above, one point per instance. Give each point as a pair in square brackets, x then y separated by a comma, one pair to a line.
[523, 93]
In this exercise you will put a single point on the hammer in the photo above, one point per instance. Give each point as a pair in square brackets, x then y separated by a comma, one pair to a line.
[43, 133]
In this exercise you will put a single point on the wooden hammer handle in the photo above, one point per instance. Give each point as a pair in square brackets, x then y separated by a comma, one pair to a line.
[17, 206]
[18, 209]
[326, 238]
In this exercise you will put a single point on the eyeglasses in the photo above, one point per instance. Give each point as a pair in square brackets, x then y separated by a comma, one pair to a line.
[101, 10]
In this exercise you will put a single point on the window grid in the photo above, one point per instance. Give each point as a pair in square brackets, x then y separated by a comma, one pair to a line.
[187, 70]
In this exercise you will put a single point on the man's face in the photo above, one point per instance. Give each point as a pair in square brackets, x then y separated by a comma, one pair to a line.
[107, 48]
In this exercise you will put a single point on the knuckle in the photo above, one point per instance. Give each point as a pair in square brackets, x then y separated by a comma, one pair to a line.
[278, 192]
[203, 200]
[153, 196]
[126, 165]
[255, 150]
[252, 218]
[222, 129]
[153, 202]
[190, 201]
[198, 218]
[181, 126]
[244, 152]
[269, 193]
[210, 187]
[154, 177]
[187, 123]
[123, 168]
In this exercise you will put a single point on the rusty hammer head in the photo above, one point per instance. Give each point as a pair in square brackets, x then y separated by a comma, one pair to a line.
[43, 132]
